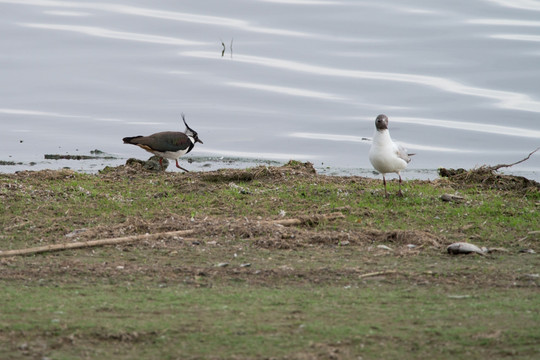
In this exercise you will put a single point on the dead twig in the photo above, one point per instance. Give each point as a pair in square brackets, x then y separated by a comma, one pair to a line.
[377, 273]
[307, 220]
[92, 243]
[497, 167]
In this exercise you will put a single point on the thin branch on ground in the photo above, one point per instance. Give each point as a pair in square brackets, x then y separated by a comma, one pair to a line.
[377, 273]
[92, 243]
[307, 220]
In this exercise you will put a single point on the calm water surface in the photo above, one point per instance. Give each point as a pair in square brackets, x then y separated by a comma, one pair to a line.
[299, 79]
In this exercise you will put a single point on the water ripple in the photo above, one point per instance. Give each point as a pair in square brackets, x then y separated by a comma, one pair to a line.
[519, 4]
[111, 34]
[173, 15]
[302, 2]
[72, 116]
[287, 90]
[35, 113]
[67, 13]
[517, 37]
[351, 138]
[504, 22]
[470, 126]
[256, 155]
[505, 99]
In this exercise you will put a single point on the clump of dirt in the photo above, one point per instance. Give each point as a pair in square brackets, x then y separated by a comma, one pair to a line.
[244, 175]
[404, 237]
[126, 336]
[152, 164]
[487, 177]
[260, 172]
[75, 157]
[267, 234]
[293, 238]
[135, 226]
[46, 174]
[134, 166]
[7, 163]
[306, 167]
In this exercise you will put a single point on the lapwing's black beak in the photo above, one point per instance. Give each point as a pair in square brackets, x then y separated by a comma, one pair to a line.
[198, 140]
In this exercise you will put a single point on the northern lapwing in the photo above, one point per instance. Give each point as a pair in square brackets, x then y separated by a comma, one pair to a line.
[167, 144]
[385, 155]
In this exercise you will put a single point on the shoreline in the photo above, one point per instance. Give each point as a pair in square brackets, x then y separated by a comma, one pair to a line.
[213, 163]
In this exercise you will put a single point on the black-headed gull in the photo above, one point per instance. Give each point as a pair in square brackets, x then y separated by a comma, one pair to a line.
[385, 155]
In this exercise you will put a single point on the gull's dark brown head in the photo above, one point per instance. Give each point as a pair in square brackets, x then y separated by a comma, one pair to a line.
[381, 122]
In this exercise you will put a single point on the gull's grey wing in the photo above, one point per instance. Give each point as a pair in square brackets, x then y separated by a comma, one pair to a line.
[402, 152]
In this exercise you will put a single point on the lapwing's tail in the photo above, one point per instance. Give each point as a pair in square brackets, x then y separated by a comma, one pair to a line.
[129, 140]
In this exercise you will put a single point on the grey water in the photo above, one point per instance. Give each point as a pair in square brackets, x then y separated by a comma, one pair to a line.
[272, 80]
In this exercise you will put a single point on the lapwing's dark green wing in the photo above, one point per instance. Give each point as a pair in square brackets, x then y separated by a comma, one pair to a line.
[163, 141]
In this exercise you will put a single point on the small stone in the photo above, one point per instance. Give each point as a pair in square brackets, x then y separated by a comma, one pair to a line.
[245, 265]
[527, 251]
[75, 233]
[384, 247]
[222, 264]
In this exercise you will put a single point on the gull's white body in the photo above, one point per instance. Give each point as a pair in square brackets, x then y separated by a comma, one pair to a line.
[385, 155]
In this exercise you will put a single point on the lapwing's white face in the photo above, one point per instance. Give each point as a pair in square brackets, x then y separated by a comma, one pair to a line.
[192, 134]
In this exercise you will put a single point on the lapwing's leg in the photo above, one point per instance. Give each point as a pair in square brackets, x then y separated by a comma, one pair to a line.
[399, 192]
[161, 163]
[178, 166]
[384, 183]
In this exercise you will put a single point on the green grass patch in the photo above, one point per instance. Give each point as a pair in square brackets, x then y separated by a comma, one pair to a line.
[244, 287]
[371, 321]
